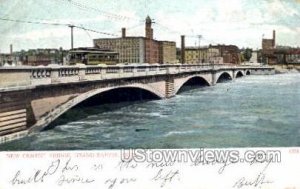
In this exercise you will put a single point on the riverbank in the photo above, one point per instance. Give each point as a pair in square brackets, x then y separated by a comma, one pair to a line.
[281, 69]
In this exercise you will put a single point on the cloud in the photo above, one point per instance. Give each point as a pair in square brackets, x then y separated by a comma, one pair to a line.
[43, 34]
[239, 22]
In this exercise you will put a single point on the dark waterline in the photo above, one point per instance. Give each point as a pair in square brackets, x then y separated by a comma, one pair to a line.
[253, 111]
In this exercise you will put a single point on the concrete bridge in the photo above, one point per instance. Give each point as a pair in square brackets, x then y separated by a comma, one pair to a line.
[33, 97]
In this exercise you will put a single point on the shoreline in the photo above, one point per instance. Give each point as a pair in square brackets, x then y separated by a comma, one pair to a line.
[283, 70]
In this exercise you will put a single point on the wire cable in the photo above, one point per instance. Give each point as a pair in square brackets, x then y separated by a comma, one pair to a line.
[56, 24]
[102, 12]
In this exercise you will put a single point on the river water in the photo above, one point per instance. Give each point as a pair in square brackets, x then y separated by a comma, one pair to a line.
[253, 111]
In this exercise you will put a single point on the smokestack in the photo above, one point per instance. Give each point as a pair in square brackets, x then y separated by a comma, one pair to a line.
[182, 49]
[11, 49]
[123, 32]
[274, 38]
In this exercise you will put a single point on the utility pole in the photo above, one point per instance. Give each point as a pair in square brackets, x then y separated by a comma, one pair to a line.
[72, 42]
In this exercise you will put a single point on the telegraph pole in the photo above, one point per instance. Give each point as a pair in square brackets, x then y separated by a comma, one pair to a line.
[72, 42]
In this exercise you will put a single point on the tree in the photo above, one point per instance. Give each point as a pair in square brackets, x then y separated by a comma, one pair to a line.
[242, 57]
[247, 54]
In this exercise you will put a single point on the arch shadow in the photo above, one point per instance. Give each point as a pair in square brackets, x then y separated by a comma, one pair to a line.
[239, 74]
[248, 72]
[192, 83]
[95, 98]
[224, 77]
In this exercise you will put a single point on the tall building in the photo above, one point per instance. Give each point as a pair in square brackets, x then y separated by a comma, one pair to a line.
[195, 55]
[268, 49]
[130, 49]
[229, 53]
[167, 52]
[140, 49]
[269, 44]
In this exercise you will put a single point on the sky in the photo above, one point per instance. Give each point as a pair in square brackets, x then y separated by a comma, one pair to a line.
[239, 22]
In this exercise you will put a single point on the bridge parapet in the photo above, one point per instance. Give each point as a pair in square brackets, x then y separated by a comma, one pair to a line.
[34, 76]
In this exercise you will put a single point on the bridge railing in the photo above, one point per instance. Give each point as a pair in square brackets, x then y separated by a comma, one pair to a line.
[32, 76]
[40, 73]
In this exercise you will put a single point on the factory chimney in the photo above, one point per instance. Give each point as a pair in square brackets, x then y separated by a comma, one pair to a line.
[274, 38]
[11, 49]
[123, 32]
[182, 49]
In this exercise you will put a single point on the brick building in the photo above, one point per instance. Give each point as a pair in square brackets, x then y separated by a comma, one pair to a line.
[268, 49]
[38, 57]
[292, 56]
[140, 49]
[130, 49]
[229, 53]
[167, 52]
[287, 55]
[195, 55]
[273, 54]
[216, 54]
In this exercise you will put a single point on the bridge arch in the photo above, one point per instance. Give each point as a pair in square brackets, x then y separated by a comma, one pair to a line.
[239, 74]
[247, 72]
[224, 76]
[44, 121]
[195, 80]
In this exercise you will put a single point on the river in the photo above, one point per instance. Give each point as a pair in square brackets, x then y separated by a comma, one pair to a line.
[253, 111]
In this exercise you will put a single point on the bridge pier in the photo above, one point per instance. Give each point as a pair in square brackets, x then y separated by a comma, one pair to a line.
[213, 77]
[170, 90]
[234, 72]
[16, 114]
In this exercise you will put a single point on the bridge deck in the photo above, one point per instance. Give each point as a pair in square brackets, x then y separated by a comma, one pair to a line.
[16, 78]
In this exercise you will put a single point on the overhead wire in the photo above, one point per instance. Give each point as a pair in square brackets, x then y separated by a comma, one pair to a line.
[33, 22]
[55, 24]
[107, 14]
